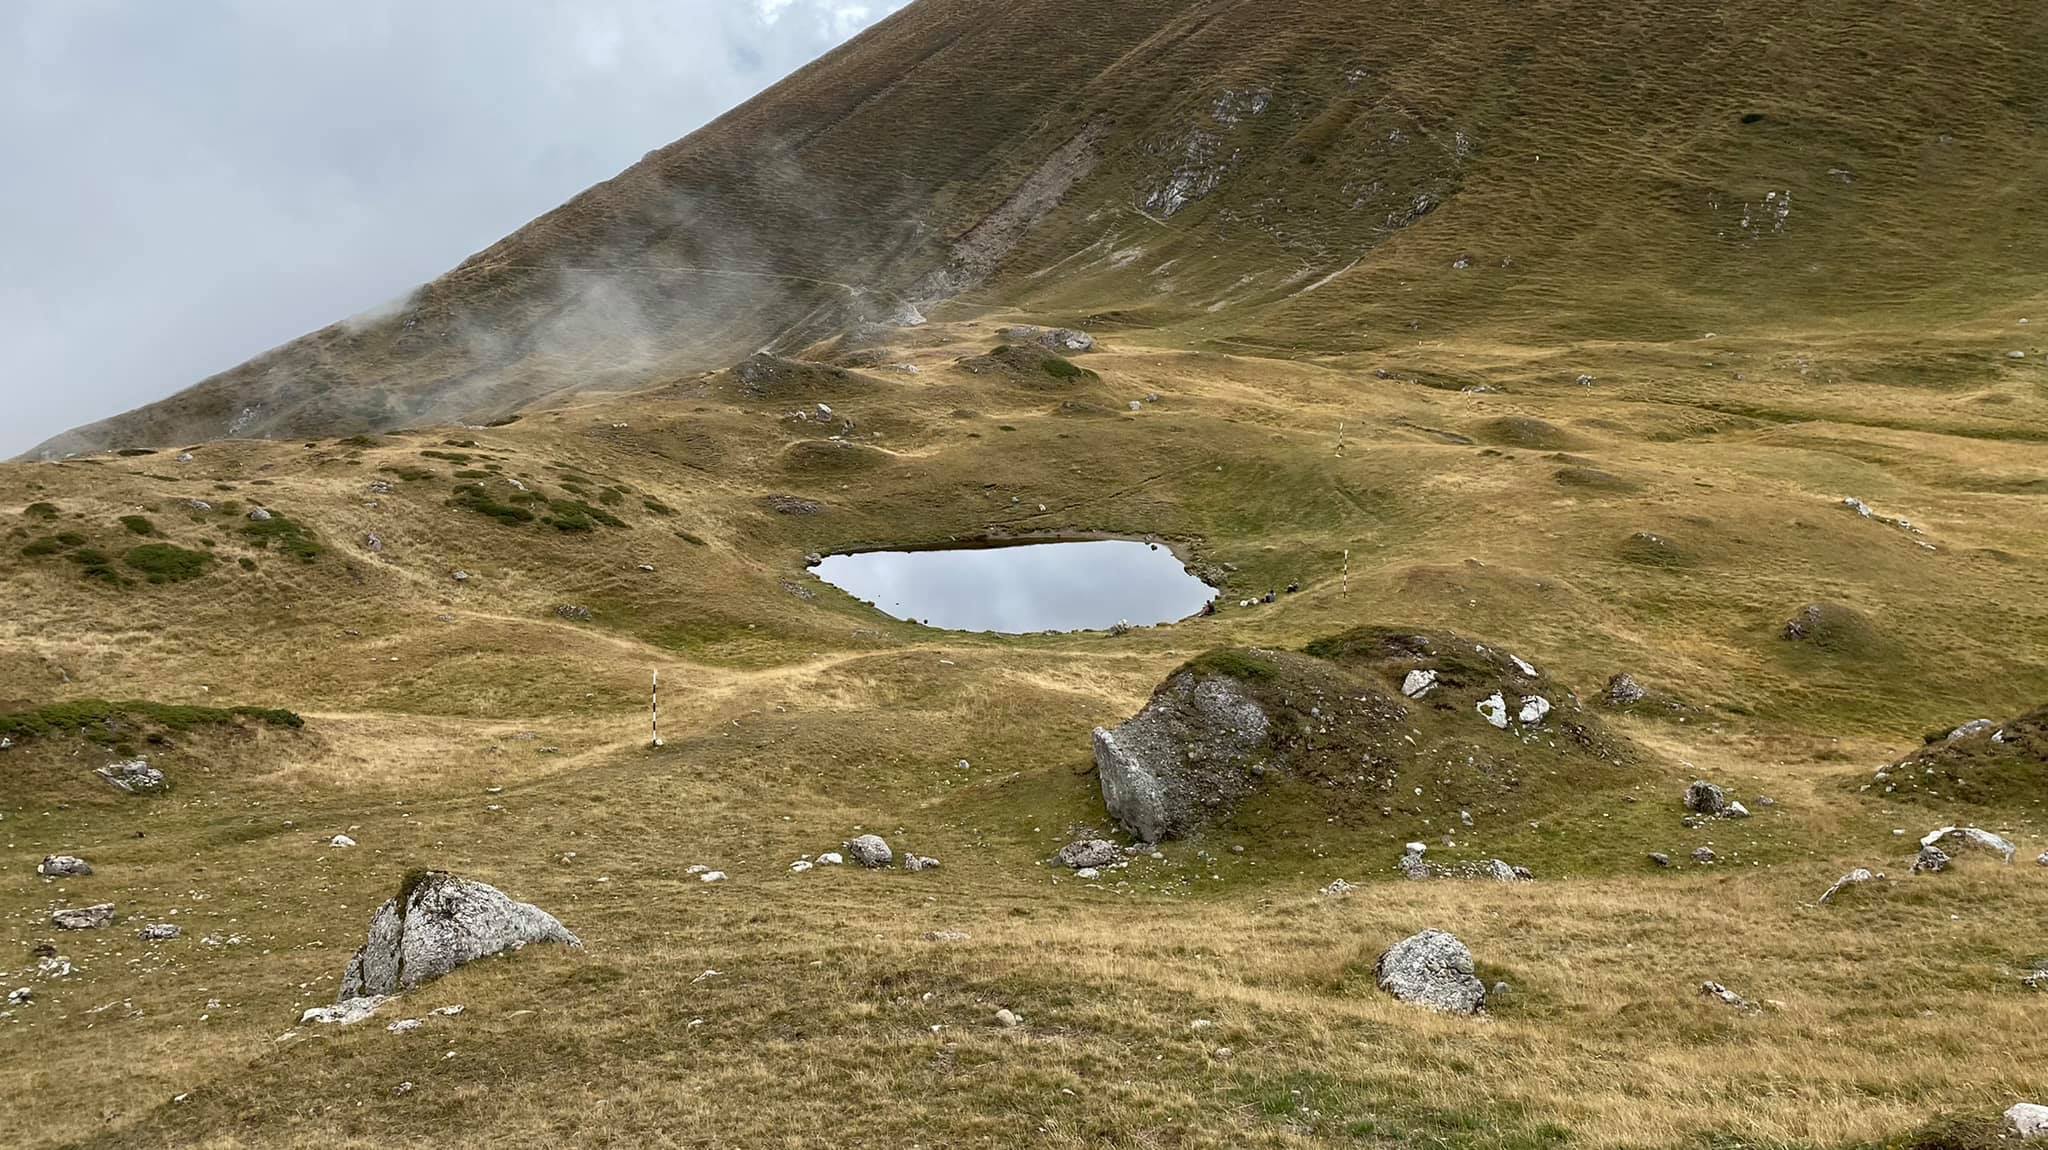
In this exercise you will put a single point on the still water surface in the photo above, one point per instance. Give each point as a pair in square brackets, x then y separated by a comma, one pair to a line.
[1085, 586]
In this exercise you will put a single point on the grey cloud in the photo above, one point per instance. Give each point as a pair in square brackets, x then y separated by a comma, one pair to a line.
[192, 183]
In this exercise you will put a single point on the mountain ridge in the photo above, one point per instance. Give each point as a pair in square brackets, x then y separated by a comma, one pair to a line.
[1277, 180]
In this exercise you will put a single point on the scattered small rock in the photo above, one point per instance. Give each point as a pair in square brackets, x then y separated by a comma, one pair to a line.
[1007, 1018]
[83, 917]
[1716, 991]
[160, 932]
[64, 866]
[344, 1013]
[1660, 858]
[946, 936]
[341, 841]
[135, 777]
[831, 858]
[1932, 860]
[913, 862]
[573, 613]
[1087, 853]
[1703, 855]
[1856, 877]
[712, 876]
[1495, 710]
[1623, 691]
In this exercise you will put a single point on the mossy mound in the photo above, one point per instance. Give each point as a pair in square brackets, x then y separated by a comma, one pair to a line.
[1981, 763]
[1380, 735]
[1833, 629]
[773, 378]
[1527, 431]
[117, 721]
[1649, 549]
[1028, 365]
[167, 563]
[831, 457]
[1592, 479]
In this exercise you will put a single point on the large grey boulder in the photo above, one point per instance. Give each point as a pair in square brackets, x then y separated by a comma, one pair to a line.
[64, 866]
[1704, 798]
[437, 923]
[871, 851]
[1087, 852]
[1432, 969]
[1199, 744]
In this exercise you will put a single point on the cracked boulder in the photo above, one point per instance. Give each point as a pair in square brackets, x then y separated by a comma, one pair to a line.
[1192, 749]
[438, 922]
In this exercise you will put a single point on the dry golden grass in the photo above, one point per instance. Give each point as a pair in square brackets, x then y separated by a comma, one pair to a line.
[795, 722]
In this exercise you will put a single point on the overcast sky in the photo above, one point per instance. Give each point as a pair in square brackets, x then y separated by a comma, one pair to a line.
[183, 185]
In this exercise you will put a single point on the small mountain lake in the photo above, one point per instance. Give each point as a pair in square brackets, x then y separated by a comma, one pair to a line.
[1021, 588]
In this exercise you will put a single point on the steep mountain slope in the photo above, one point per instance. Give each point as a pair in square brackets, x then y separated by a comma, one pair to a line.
[1287, 177]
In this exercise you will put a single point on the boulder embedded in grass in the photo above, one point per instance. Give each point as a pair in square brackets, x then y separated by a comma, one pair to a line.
[1432, 969]
[438, 922]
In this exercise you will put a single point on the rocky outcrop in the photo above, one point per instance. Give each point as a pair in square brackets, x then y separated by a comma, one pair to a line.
[2000, 765]
[1972, 836]
[438, 922]
[1432, 969]
[1193, 748]
[64, 866]
[1369, 715]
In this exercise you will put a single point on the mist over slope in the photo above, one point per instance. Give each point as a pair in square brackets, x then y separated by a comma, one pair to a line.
[1289, 178]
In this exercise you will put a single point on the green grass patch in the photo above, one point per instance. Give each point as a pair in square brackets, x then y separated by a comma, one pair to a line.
[1232, 661]
[657, 507]
[571, 516]
[288, 535]
[137, 525]
[470, 497]
[48, 545]
[115, 720]
[167, 563]
[39, 510]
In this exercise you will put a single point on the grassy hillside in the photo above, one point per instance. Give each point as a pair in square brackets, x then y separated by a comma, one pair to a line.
[1288, 178]
[1447, 314]
[469, 724]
